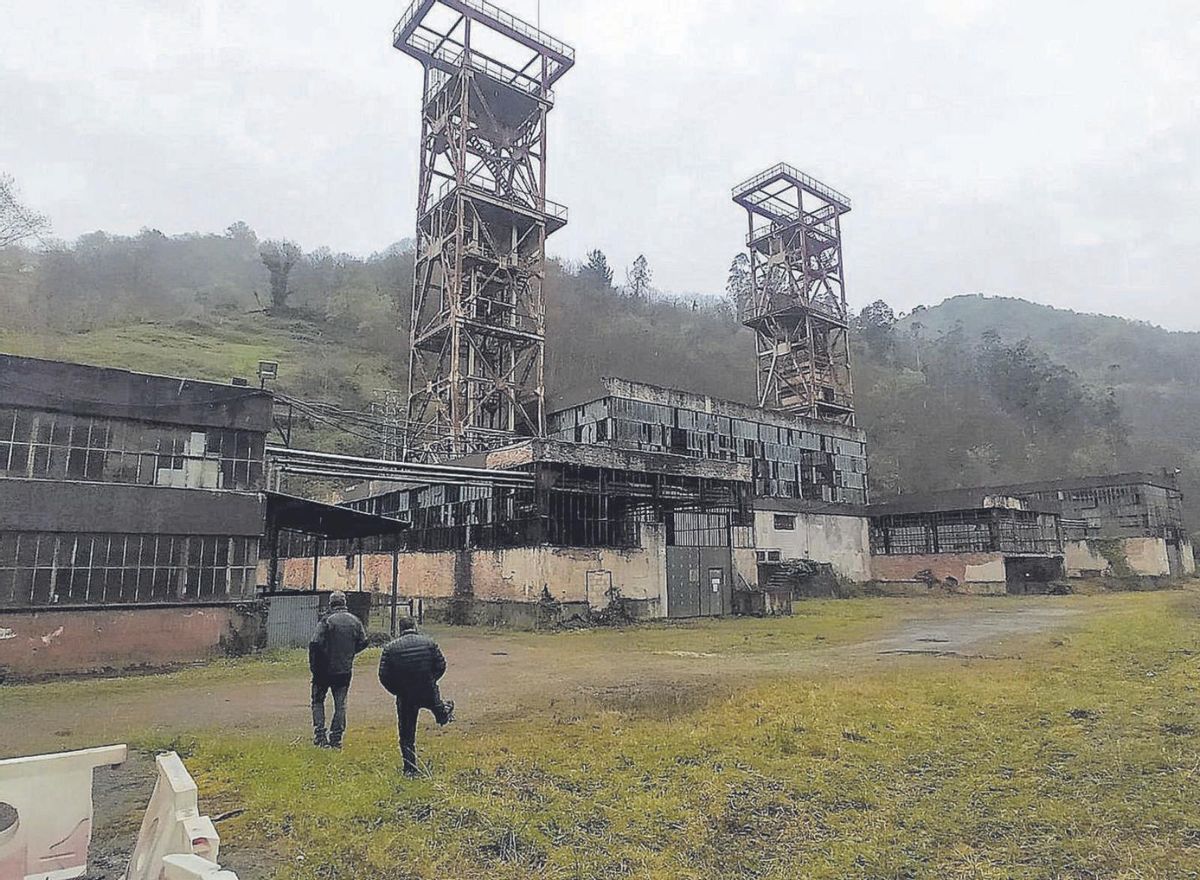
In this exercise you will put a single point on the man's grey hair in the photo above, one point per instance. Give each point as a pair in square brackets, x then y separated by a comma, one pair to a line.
[405, 623]
[337, 599]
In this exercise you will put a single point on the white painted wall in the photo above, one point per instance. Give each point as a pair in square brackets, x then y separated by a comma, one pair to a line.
[842, 541]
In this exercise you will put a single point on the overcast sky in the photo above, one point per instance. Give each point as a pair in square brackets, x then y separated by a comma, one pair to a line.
[1047, 149]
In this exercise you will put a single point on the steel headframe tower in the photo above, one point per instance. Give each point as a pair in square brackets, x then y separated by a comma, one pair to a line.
[478, 325]
[797, 300]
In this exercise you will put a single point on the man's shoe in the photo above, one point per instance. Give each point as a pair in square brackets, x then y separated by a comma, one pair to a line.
[447, 713]
[335, 745]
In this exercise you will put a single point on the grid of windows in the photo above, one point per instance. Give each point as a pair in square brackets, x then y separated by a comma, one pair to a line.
[47, 568]
[789, 462]
[60, 446]
[964, 531]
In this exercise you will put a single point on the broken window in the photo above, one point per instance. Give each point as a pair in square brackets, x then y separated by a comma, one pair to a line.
[46, 568]
[60, 446]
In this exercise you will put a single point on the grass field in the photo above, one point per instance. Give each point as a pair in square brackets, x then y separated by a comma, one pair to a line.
[1071, 754]
[217, 349]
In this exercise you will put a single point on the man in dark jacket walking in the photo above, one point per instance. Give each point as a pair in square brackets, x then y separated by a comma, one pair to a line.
[339, 636]
[409, 670]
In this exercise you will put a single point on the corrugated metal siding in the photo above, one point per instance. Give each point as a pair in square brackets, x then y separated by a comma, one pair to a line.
[292, 619]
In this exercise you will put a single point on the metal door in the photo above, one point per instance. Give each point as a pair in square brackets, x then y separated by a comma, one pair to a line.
[714, 592]
[683, 582]
[698, 581]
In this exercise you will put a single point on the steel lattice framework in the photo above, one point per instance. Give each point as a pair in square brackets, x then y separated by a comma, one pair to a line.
[796, 304]
[476, 372]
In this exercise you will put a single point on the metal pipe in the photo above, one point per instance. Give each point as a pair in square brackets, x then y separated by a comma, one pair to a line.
[386, 476]
[432, 472]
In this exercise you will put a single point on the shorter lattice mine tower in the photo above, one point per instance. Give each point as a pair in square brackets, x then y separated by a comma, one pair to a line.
[478, 327]
[796, 304]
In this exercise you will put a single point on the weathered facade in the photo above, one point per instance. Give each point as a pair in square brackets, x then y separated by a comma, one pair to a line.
[122, 489]
[659, 497]
[1119, 524]
[790, 456]
[809, 475]
[653, 529]
[969, 540]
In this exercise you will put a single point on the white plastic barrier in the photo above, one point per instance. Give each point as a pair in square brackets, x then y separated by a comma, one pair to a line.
[172, 824]
[189, 867]
[46, 812]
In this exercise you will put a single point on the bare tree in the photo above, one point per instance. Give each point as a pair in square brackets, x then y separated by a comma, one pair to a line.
[279, 257]
[637, 278]
[17, 222]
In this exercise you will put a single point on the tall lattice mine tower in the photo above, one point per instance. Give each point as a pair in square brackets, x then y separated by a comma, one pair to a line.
[796, 304]
[478, 327]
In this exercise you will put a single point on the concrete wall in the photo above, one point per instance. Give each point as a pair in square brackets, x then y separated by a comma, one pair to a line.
[842, 541]
[1189, 558]
[519, 574]
[745, 567]
[974, 572]
[1147, 557]
[110, 393]
[65, 506]
[38, 643]
[1080, 557]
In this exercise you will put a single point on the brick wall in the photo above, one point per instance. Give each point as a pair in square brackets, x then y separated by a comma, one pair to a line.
[36, 643]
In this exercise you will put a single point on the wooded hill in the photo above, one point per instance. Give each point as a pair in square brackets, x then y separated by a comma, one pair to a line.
[972, 391]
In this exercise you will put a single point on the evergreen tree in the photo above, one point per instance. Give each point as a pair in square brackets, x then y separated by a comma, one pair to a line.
[596, 269]
[637, 279]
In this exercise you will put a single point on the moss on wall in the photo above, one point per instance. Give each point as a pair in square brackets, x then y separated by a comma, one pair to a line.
[1113, 552]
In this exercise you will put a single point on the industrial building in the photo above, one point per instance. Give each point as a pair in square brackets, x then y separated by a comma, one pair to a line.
[1127, 524]
[134, 515]
[671, 502]
[971, 540]
[138, 520]
[124, 491]
[668, 500]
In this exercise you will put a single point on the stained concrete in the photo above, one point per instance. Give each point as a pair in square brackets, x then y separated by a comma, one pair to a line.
[842, 541]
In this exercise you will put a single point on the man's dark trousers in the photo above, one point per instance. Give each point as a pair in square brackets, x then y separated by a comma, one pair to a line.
[322, 685]
[408, 707]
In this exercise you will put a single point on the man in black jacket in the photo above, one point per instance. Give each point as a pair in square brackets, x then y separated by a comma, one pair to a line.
[339, 636]
[409, 669]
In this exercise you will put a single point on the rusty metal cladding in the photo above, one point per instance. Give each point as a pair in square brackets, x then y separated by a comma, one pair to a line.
[797, 306]
[478, 329]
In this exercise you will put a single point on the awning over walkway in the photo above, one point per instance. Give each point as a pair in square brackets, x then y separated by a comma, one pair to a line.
[293, 514]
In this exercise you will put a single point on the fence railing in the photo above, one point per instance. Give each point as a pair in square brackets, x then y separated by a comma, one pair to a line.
[481, 183]
[446, 52]
[807, 181]
[497, 14]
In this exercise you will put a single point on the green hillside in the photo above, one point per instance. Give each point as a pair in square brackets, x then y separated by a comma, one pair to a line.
[1153, 373]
